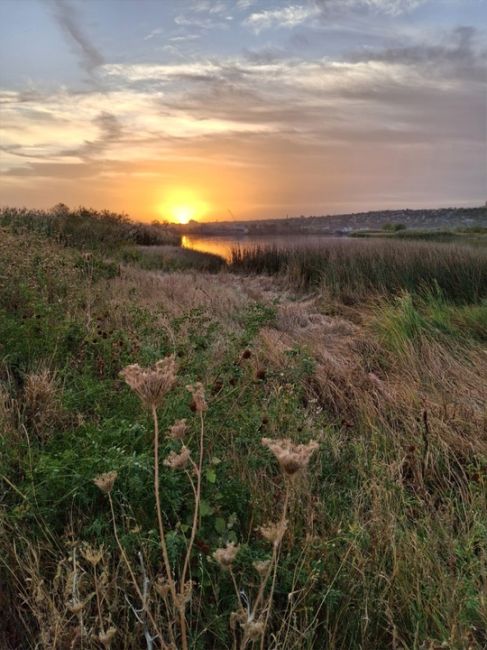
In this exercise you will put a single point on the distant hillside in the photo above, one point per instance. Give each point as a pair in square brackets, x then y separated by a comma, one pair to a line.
[442, 218]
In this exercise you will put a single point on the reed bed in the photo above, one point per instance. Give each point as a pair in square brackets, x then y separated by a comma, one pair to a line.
[358, 268]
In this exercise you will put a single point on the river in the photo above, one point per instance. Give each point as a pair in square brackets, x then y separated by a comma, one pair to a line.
[223, 245]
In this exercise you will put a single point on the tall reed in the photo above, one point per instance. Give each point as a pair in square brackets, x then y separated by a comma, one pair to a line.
[357, 268]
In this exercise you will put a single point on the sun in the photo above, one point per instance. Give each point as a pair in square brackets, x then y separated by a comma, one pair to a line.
[182, 213]
[182, 205]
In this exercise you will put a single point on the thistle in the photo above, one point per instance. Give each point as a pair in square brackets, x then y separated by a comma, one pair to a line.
[292, 458]
[151, 384]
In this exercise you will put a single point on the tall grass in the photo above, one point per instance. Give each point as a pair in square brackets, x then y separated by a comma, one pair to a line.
[86, 228]
[351, 269]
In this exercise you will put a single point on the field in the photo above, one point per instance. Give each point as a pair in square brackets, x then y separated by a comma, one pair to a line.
[122, 527]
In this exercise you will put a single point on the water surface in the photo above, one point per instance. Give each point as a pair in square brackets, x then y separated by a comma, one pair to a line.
[223, 245]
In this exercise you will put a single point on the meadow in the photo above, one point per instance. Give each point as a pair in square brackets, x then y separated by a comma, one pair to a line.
[286, 452]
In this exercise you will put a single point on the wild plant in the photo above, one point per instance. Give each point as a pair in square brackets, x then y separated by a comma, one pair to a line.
[152, 385]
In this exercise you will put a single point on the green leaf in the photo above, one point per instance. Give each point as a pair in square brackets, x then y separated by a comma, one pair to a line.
[220, 525]
[211, 475]
[205, 508]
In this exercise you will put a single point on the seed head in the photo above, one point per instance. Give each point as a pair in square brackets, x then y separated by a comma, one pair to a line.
[178, 461]
[292, 458]
[105, 638]
[225, 556]
[91, 554]
[261, 566]
[253, 629]
[105, 481]
[274, 532]
[76, 607]
[178, 430]
[183, 598]
[198, 392]
[238, 617]
[162, 587]
[151, 384]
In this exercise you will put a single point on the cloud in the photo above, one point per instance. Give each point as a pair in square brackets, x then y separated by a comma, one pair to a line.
[66, 15]
[455, 55]
[154, 33]
[392, 7]
[289, 16]
[296, 14]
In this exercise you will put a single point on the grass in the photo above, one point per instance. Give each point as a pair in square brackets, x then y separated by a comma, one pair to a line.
[173, 258]
[355, 269]
[385, 545]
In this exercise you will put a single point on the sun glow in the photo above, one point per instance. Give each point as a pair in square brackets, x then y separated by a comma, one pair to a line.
[183, 205]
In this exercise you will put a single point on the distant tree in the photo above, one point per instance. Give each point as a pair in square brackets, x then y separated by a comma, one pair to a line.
[393, 227]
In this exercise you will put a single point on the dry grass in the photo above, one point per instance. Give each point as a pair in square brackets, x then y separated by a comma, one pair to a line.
[42, 403]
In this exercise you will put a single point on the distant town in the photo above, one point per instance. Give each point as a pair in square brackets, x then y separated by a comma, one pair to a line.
[344, 224]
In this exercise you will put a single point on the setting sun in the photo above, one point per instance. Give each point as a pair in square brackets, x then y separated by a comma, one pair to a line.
[182, 205]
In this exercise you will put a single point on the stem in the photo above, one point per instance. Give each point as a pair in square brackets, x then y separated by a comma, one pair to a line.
[132, 574]
[272, 567]
[162, 534]
[194, 528]
[98, 604]
[178, 603]
[276, 562]
[197, 499]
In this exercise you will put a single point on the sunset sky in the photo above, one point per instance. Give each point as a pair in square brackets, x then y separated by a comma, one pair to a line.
[186, 109]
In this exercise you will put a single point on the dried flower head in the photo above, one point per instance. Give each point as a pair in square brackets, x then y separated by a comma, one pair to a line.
[75, 606]
[178, 430]
[198, 392]
[292, 458]
[162, 587]
[274, 533]
[91, 554]
[238, 617]
[253, 630]
[262, 566]
[183, 598]
[105, 481]
[178, 461]
[225, 556]
[151, 384]
[106, 638]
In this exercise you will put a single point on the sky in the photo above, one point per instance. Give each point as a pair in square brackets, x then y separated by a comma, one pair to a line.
[243, 109]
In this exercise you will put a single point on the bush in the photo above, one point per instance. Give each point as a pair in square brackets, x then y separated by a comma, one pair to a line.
[86, 228]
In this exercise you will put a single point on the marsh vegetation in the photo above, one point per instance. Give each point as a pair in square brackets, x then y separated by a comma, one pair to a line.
[322, 483]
